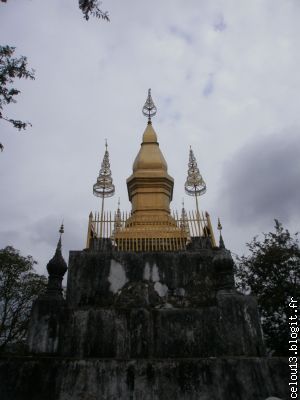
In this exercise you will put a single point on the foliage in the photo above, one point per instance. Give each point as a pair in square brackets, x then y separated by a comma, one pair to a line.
[91, 7]
[11, 68]
[88, 8]
[272, 273]
[19, 287]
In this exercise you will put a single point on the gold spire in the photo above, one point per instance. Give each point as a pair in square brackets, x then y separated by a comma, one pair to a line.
[149, 135]
[150, 190]
[150, 156]
[150, 187]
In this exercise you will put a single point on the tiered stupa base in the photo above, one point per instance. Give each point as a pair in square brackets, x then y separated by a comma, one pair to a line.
[146, 326]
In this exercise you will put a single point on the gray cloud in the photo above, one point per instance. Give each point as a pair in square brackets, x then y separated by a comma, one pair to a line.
[219, 24]
[262, 180]
[45, 230]
[209, 86]
[91, 82]
[9, 238]
[182, 34]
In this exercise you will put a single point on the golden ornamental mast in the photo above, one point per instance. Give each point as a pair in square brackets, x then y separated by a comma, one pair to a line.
[150, 225]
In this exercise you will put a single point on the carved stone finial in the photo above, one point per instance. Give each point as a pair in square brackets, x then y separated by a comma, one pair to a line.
[149, 109]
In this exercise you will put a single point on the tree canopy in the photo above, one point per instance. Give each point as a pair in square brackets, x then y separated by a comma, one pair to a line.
[20, 285]
[272, 273]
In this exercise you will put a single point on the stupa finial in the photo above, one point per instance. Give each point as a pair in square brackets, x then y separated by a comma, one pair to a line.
[149, 109]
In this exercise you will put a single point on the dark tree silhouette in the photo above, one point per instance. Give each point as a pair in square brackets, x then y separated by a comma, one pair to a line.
[272, 273]
[19, 287]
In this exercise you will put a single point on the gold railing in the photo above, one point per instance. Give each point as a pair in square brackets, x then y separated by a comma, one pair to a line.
[149, 234]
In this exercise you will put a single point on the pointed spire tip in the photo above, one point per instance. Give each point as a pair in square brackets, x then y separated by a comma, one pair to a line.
[219, 225]
[61, 231]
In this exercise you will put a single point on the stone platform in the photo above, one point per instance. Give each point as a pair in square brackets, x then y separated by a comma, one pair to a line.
[146, 326]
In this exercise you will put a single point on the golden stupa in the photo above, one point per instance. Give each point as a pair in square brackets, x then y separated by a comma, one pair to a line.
[149, 226]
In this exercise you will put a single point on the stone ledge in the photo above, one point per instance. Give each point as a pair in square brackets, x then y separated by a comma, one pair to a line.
[232, 378]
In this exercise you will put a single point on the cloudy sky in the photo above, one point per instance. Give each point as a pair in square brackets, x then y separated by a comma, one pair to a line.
[225, 79]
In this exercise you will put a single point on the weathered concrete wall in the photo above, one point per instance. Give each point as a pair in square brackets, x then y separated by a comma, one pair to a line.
[186, 379]
[230, 328]
[146, 327]
[158, 305]
[148, 305]
[47, 322]
[186, 278]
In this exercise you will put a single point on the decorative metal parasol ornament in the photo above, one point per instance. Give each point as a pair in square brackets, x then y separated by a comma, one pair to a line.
[104, 186]
[149, 109]
[194, 184]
